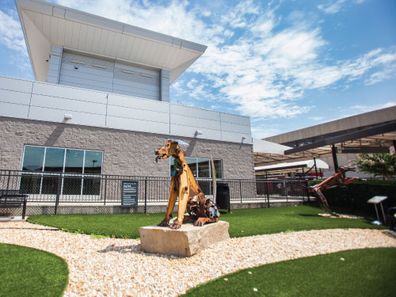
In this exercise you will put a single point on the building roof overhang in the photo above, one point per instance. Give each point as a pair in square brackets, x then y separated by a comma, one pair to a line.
[46, 25]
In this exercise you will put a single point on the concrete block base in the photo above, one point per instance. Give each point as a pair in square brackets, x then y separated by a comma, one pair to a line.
[184, 242]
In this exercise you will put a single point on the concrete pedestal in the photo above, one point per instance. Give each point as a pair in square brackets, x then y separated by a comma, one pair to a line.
[183, 242]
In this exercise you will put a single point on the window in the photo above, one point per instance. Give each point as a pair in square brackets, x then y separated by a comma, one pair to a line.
[73, 165]
[201, 167]
[218, 164]
[32, 161]
[78, 169]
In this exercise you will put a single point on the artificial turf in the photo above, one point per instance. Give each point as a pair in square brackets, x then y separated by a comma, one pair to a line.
[243, 222]
[356, 273]
[30, 272]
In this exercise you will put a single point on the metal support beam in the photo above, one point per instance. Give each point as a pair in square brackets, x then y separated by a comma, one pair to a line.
[344, 136]
[334, 154]
[364, 150]
[316, 168]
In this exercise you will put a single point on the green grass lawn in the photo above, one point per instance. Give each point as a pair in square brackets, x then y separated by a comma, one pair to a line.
[369, 272]
[243, 222]
[30, 272]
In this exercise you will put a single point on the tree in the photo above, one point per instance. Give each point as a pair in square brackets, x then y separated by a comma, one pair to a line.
[378, 164]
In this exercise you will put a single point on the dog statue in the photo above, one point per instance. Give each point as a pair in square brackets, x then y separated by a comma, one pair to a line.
[201, 210]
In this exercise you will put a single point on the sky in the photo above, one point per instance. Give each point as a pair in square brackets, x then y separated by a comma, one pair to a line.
[286, 64]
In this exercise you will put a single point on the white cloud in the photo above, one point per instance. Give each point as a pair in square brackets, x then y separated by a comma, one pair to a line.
[11, 34]
[336, 6]
[332, 7]
[174, 18]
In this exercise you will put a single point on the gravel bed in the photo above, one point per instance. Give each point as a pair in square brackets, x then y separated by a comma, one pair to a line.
[117, 267]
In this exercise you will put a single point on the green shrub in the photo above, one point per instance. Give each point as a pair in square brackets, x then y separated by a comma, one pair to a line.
[353, 198]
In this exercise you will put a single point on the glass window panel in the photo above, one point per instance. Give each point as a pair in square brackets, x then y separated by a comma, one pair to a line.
[203, 168]
[74, 161]
[91, 186]
[192, 163]
[30, 184]
[219, 168]
[33, 159]
[72, 185]
[54, 160]
[93, 162]
[206, 186]
[50, 184]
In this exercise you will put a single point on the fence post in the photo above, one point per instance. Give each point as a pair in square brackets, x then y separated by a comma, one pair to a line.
[285, 190]
[105, 191]
[267, 189]
[8, 181]
[240, 189]
[307, 188]
[145, 194]
[58, 192]
[268, 196]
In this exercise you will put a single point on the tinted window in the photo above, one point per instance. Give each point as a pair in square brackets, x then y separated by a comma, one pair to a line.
[192, 163]
[54, 160]
[203, 168]
[74, 161]
[219, 168]
[33, 159]
[30, 184]
[93, 162]
[72, 185]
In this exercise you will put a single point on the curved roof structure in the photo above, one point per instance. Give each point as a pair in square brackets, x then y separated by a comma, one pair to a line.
[45, 25]
[320, 164]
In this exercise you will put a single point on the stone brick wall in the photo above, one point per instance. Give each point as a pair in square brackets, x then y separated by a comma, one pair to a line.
[125, 152]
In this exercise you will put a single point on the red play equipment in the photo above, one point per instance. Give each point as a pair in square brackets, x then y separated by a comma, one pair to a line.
[337, 179]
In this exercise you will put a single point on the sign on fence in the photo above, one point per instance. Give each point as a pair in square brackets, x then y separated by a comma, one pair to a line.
[129, 195]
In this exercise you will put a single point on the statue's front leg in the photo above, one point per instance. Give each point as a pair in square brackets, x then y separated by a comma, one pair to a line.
[171, 204]
[183, 199]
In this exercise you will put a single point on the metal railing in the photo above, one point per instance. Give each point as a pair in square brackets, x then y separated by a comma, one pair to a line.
[62, 188]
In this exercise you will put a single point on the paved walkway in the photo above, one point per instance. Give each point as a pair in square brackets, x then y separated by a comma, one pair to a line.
[117, 267]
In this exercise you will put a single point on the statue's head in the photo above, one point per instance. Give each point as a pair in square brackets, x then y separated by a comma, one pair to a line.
[171, 148]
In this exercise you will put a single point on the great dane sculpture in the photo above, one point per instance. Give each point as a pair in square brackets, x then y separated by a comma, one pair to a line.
[201, 210]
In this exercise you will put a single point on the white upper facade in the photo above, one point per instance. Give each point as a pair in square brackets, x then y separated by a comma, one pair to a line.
[71, 105]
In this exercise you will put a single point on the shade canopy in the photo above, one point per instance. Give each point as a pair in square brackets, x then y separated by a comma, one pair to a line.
[46, 25]
[320, 164]
[261, 146]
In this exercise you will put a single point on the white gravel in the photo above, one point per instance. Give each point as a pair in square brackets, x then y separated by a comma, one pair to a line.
[117, 267]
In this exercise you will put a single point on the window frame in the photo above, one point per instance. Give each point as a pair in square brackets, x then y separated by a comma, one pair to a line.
[63, 174]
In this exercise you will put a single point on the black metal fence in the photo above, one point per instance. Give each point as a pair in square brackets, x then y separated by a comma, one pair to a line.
[68, 189]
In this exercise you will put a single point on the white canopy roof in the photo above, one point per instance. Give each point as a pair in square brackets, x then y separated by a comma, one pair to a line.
[267, 147]
[46, 25]
[320, 164]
